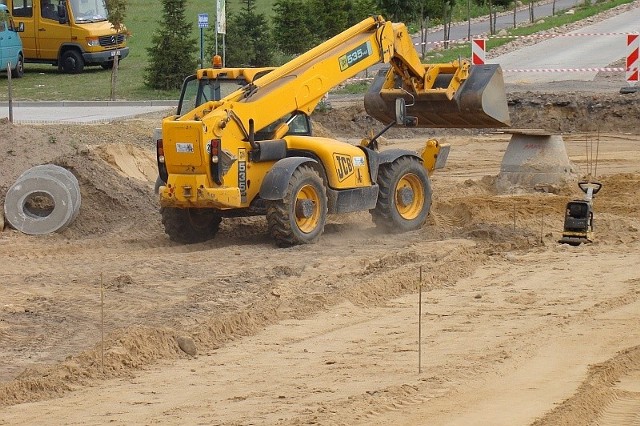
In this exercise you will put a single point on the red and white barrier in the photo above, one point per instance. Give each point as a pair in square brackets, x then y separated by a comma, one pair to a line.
[478, 51]
[478, 57]
[632, 59]
[606, 69]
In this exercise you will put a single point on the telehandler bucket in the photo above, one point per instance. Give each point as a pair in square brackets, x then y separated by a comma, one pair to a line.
[479, 102]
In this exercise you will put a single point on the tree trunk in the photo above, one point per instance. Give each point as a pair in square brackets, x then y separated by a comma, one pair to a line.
[114, 77]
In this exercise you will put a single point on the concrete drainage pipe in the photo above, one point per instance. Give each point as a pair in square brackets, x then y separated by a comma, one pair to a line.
[44, 199]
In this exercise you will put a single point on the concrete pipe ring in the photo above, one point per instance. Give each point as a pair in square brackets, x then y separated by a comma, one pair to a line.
[38, 205]
[64, 176]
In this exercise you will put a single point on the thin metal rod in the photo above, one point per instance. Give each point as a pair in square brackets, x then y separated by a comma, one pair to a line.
[102, 319]
[10, 88]
[420, 323]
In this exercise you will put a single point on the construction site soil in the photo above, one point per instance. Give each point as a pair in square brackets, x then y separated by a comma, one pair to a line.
[110, 322]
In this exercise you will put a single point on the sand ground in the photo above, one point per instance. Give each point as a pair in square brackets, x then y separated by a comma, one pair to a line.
[514, 327]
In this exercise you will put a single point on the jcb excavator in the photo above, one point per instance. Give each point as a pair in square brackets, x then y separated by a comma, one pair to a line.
[250, 152]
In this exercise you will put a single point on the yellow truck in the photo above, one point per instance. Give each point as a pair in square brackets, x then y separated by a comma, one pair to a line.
[71, 34]
[252, 152]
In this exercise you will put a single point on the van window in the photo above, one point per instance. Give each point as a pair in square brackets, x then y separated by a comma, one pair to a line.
[48, 10]
[23, 8]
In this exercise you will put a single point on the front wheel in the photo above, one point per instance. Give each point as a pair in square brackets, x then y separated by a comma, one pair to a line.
[299, 218]
[18, 71]
[405, 196]
[190, 226]
[71, 62]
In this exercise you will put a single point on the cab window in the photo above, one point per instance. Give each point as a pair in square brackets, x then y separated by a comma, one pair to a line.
[22, 8]
[298, 125]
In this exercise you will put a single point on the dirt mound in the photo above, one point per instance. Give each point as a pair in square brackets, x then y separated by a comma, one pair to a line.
[575, 112]
[563, 112]
[116, 177]
[110, 198]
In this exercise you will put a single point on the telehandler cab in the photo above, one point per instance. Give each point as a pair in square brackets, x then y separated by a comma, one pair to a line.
[251, 151]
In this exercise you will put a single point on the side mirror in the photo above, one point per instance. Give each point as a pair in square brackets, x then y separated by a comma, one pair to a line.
[20, 28]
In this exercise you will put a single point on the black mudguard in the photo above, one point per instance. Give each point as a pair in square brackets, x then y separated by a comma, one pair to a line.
[275, 183]
[391, 155]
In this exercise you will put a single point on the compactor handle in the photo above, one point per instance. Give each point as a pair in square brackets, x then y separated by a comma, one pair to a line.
[586, 185]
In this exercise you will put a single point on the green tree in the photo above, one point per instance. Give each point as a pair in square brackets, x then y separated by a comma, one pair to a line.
[117, 10]
[172, 53]
[248, 39]
[358, 10]
[430, 8]
[400, 10]
[330, 17]
[292, 26]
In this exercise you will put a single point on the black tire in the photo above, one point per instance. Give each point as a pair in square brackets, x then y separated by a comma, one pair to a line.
[405, 196]
[189, 226]
[299, 218]
[71, 62]
[18, 71]
[107, 65]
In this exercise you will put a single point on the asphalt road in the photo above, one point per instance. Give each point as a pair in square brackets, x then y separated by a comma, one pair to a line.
[571, 53]
[81, 112]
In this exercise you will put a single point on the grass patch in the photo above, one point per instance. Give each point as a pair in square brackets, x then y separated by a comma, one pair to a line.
[352, 88]
[44, 82]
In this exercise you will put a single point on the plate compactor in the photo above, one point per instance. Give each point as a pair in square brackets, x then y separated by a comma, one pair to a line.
[578, 217]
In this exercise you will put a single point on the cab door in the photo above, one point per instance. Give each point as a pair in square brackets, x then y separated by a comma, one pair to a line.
[10, 44]
[22, 12]
[3, 44]
[51, 34]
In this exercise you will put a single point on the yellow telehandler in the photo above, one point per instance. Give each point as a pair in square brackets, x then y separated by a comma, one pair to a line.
[251, 151]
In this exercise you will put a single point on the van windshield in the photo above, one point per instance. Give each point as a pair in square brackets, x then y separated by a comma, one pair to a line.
[88, 10]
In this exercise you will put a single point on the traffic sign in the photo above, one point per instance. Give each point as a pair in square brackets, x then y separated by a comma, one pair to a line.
[203, 20]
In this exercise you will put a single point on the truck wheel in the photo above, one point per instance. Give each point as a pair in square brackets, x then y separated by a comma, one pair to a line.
[18, 71]
[190, 226]
[71, 62]
[405, 196]
[300, 216]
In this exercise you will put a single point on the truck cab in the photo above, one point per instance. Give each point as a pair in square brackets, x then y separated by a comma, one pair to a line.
[71, 34]
[11, 53]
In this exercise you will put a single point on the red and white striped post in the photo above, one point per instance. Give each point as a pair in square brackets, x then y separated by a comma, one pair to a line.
[478, 51]
[632, 59]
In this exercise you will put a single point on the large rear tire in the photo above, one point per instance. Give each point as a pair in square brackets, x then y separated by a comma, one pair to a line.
[299, 218]
[405, 196]
[189, 226]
